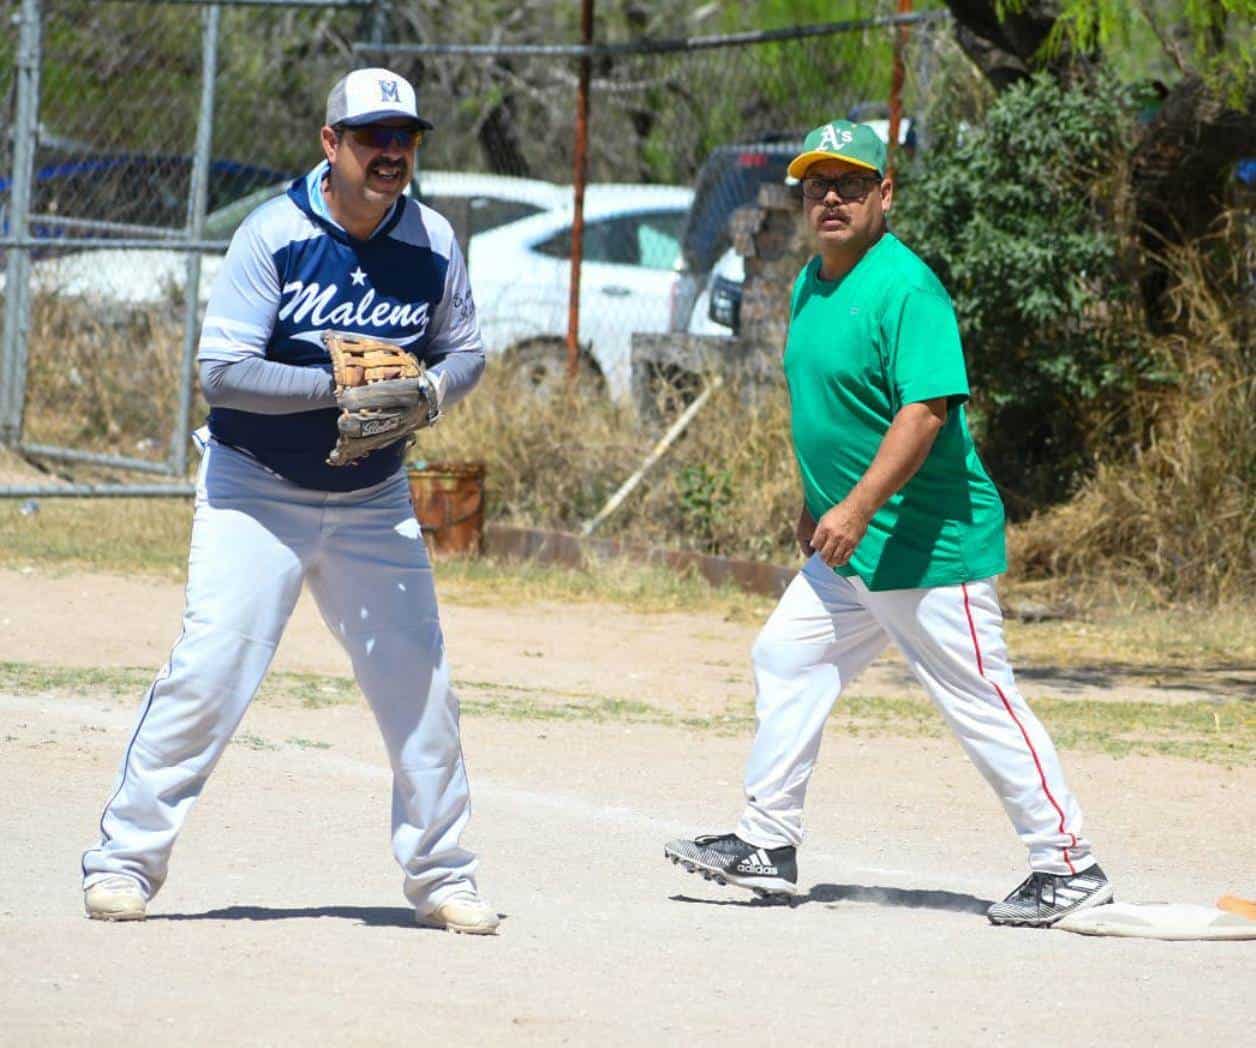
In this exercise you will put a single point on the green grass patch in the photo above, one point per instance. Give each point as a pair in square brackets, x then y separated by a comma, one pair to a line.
[151, 536]
[144, 536]
[1216, 733]
[312, 690]
[252, 742]
[30, 678]
[1221, 733]
[648, 588]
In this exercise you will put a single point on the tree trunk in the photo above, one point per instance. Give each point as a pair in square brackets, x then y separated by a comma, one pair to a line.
[499, 133]
[1005, 50]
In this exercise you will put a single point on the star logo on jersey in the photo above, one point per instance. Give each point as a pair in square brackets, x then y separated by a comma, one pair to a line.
[358, 277]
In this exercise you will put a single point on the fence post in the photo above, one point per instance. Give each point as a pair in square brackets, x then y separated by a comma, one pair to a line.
[897, 76]
[198, 202]
[17, 270]
[578, 178]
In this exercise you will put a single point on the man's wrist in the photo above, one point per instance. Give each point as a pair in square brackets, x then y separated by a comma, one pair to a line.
[862, 507]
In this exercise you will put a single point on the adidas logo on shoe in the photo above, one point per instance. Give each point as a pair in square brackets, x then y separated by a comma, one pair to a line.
[759, 864]
[727, 859]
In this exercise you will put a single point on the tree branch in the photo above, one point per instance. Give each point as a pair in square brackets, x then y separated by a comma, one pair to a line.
[1007, 49]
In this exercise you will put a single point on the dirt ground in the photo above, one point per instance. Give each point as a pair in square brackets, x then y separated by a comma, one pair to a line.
[687, 663]
[283, 921]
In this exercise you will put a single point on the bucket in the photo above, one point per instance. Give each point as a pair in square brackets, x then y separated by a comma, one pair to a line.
[448, 500]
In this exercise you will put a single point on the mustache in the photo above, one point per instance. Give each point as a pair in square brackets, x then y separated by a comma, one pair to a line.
[386, 166]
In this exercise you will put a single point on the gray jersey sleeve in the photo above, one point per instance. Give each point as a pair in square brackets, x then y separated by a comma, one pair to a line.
[233, 368]
[265, 387]
[456, 351]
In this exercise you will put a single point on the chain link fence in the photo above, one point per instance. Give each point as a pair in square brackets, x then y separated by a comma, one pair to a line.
[10, 16]
[679, 136]
[142, 167]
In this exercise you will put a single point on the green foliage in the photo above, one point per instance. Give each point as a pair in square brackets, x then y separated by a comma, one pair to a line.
[1021, 219]
[1214, 38]
[705, 496]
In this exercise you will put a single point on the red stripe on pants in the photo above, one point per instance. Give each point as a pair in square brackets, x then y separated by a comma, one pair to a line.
[1042, 778]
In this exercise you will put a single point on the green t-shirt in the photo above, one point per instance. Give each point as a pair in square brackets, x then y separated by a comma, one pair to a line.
[858, 350]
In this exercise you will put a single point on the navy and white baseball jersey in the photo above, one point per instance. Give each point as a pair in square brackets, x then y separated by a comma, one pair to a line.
[272, 520]
[291, 273]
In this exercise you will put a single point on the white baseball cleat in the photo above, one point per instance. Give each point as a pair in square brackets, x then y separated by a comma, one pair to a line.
[116, 898]
[465, 912]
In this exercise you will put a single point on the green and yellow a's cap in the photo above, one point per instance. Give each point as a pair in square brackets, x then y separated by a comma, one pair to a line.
[857, 144]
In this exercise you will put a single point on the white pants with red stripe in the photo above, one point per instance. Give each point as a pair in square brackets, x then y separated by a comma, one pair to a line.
[827, 628]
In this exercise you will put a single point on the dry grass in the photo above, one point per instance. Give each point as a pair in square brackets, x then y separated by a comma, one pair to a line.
[1177, 518]
[728, 486]
[103, 378]
[648, 588]
[1157, 644]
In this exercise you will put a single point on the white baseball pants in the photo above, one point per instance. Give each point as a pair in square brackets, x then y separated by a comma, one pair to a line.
[256, 539]
[827, 629]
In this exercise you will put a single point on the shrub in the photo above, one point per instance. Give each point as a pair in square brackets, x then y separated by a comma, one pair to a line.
[1022, 218]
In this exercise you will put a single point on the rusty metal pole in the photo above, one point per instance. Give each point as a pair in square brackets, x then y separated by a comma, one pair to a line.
[578, 177]
[896, 87]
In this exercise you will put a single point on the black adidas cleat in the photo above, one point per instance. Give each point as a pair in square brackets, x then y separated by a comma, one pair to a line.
[727, 859]
[1043, 898]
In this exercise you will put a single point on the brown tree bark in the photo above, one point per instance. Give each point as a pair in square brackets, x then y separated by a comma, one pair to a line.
[499, 134]
[1005, 49]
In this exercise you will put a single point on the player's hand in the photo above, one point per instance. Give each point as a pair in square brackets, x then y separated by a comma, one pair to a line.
[803, 531]
[838, 533]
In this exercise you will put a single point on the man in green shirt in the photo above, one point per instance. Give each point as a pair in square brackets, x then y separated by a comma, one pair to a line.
[903, 531]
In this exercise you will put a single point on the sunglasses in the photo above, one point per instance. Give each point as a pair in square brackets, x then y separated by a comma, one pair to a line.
[847, 187]
[382, 136]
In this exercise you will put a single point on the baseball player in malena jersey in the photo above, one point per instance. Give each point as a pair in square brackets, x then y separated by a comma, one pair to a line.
[903, 531]
[345, 250]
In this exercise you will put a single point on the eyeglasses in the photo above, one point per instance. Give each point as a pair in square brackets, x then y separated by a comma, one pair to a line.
[382, 136]
[847, 187]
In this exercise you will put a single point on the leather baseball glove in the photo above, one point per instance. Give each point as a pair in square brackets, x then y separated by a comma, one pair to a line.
[384, 393]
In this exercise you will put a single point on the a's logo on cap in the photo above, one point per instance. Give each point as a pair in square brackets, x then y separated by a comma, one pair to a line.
[832, 138]
[388, 91]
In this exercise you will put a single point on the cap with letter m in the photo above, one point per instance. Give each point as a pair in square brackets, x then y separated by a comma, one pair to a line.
[857, 144]
[367, 95]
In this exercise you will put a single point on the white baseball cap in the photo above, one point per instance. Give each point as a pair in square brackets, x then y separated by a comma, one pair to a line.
[367, 95]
